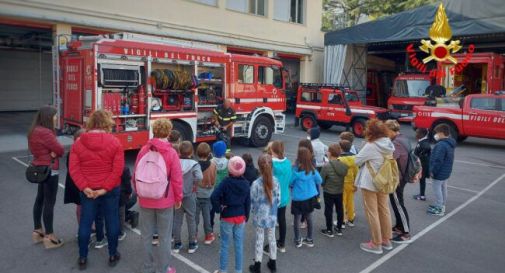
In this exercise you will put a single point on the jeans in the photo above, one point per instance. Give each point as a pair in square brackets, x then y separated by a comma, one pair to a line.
[44, 204]
[308, 218]
[203, 206]
[281, 219]
[108, 204]
[401, 214]
[99, 223]
[330, 201]
[161, 220]
[189, 208]
[228, 232]
[440, 191]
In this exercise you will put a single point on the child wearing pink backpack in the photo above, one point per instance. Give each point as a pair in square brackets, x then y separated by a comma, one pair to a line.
[157, 181]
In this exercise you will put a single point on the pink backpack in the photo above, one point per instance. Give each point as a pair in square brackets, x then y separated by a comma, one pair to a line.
[151, 179]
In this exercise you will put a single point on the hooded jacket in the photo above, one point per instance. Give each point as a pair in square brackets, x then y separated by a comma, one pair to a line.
[206, 186]
[423, 151]
[173, 171]
[401, 154]
[442, 159]
[304, 186]
[232, 197]
[320, 150]
[222, 169]
[96, 161]
[282, 170]
[333, 175]
[372, 152]
[350, 160]
[191, 176]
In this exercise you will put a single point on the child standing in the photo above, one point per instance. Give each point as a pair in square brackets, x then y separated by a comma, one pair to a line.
[282, 171]
[333, 174]
[320, 149]
[441, 162]
[265, 198]
[251, 173]
[219, 151]
[304, 184]
[204, 190]
[232, 200]
[349, 137]
[348, 159]
[423, 151]
[192, 175]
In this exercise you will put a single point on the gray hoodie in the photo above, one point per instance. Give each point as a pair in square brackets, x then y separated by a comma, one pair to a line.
[372, 152]
[191, 175]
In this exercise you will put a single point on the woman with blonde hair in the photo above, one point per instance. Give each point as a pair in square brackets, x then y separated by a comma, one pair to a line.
[96, 165]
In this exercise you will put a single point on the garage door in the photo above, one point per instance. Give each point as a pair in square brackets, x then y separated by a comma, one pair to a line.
[25, 80]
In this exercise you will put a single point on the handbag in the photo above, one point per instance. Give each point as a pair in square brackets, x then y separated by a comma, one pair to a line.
[37, 174]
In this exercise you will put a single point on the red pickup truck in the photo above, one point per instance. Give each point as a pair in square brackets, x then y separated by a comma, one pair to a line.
[479, 115]
[327, 105]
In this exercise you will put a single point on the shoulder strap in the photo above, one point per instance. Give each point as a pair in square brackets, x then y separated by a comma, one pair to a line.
[370, 169]
[333, 167]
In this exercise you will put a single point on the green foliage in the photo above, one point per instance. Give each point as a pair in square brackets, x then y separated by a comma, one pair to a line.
[346, 13]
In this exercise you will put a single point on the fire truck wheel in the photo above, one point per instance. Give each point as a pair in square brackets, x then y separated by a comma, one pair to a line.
[358, 127]
[185, 130]
[261, 132]
[308, 122]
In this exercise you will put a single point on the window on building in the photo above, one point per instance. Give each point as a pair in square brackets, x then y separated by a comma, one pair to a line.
[257, 7]
[245, 73]
[289, 10]
[206, 2]
[270, 75]
[483, 103]
[311, 96]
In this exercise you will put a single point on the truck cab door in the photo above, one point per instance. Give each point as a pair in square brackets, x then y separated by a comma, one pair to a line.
[337, 108]
[270, 87]
[481, 113]
[244, 94]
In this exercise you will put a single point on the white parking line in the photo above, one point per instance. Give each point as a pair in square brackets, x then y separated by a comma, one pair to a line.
[480, 164]
[175, 255]
[398, 249]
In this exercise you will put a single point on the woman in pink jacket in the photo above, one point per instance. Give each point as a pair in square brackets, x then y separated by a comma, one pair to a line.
[157, 213]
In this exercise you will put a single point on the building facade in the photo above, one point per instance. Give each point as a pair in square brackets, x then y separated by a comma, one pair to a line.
[287, 29]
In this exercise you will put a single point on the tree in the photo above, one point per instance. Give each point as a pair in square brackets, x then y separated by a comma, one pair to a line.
[346, 13]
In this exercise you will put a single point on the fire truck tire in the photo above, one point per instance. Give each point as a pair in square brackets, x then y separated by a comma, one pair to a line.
[307, 122]
[185, 130]
[358, 127]
[325, 125]
[261, 132]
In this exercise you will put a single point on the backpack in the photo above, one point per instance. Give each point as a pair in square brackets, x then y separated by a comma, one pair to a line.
[151, 177]
[414, 169]
[387, 178]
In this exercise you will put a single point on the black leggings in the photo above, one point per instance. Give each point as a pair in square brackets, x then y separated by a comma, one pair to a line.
[422, 186]
[281, 218]
[330, 201]
[44, 204]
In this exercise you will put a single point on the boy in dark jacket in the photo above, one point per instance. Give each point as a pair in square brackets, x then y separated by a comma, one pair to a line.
[251, 173]
[232, 200]
[333, 175]
[423, 151]
[441, 162]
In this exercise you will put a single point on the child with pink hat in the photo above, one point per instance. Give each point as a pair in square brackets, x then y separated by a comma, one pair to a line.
[232, 200]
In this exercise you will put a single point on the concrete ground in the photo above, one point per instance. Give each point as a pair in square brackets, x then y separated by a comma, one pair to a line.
[468, 239]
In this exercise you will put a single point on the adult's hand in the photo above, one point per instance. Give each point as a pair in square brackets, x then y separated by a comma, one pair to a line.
[99, 193]
[89, 193]
[53, 154]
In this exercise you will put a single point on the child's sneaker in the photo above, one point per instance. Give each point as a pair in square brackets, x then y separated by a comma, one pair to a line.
[350, 223]
[335, 223]
[101, 244]
[420, 197]
[281, 248]
[436, 211]
[122, 236]
[156, 240]
[192, 247]
[371, 248]
[343, 225]
[402, 239]
[209, 238]
[387, 245]
[298, 243]
[338, 231]
[308, 242]
[177, 247]
[303, 225]
[327, 233]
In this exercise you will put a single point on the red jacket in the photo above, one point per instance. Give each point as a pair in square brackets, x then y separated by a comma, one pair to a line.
[96, 161]
[41, 143]
[174, 170]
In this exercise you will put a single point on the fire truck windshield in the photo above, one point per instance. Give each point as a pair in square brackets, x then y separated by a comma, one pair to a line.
[351, 97]
[410, 88]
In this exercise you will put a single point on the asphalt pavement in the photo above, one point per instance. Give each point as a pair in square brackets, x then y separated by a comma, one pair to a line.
[468, 239]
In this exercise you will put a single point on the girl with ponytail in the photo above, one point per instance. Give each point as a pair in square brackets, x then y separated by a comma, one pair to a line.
[265, 199]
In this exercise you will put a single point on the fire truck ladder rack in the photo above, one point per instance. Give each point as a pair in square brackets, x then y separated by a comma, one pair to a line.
[126, 36]
[324, 85]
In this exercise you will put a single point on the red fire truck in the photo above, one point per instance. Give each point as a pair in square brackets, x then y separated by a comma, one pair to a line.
[142, 78]
[329, 104]
[478, 115]
[408, 91]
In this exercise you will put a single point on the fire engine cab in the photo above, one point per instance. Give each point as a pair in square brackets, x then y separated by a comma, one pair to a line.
[477, 115]
[327, 105]
[408, 91]
[141, 78]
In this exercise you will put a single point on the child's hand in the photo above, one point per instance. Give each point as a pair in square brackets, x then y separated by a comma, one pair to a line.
[178, 205]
